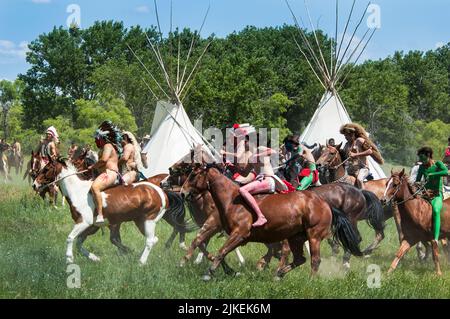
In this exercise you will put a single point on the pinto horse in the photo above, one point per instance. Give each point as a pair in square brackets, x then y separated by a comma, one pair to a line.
[297, 216]
[415, 218]
[143, 203]
[175, 216]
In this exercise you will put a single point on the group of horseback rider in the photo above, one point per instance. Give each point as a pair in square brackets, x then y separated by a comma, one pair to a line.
[120, 162]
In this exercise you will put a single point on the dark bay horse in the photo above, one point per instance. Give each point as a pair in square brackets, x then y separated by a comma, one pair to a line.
[177, 221]
[142, 203]
[297, 216]
[415, 218]
[333, 171]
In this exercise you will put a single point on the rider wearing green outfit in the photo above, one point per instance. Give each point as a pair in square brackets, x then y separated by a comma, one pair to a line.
[433, 171]
[308, 174]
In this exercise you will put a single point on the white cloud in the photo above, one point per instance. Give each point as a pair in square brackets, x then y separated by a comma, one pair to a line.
[41, 1]
[9, 50]
[143, 9]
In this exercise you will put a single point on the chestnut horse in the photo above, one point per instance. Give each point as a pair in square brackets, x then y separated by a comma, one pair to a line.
[204, 213]
[415, 218]
[297, 216]
[143, 203]
[36, 164]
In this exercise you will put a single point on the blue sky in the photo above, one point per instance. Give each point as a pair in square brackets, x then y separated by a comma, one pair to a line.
[405, 25]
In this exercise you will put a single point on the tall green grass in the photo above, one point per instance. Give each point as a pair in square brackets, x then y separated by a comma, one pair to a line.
[32, 264]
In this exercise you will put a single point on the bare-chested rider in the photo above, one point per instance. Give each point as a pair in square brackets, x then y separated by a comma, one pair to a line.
[107, 139]
[357, 149]
[130, 163]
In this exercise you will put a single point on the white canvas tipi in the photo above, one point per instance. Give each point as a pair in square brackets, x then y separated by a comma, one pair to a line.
[172, 136]
[331, 113]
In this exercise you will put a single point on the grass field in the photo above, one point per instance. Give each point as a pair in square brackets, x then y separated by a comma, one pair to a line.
[32, 264]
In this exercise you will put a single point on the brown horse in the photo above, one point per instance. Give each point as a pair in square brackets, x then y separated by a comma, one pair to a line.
[204, 213]
[298, 217]
[36, 164]
[415, 218]
[143, 203]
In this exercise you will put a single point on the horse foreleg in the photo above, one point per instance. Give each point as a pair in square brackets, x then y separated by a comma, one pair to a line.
[404, 247]
[150, 239]
[232, 242]
[88, 232]
[205, 233]
[76, 231]
[265, 260]
[285, 251]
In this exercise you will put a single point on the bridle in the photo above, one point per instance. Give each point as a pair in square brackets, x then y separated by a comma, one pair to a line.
[328, 167]
[392, 199]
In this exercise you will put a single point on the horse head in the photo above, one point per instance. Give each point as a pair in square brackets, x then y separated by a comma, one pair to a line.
[394, 185]
[49, 173]
[330, 157]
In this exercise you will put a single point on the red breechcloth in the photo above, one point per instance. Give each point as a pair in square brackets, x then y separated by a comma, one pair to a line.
[305, 172]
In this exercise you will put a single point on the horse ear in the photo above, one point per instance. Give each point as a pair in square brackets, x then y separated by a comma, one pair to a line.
[402, 172]
[392, 171]
[338, 147]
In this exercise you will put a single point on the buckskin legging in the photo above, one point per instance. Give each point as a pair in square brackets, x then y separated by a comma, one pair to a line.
[436, 204]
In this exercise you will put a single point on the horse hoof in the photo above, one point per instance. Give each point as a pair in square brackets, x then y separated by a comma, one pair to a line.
[367, 256]
[346, 265]
[237, 274]
[94, 258]
[183, 247]
[69, 260]
[206, 278]
[198, 261]
[182, 263]
[277, 278]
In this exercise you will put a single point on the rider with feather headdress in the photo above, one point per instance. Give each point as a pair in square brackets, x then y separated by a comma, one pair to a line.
[356, 152]
[108, 139]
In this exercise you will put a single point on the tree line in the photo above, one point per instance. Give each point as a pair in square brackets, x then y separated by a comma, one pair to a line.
[77, 78]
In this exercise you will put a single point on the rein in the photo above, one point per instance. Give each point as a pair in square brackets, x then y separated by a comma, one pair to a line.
[405, 200]
[62, 178]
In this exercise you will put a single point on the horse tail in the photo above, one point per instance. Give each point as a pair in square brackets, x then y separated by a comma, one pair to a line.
[176, 213]
[344, 231]
[374, 212]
